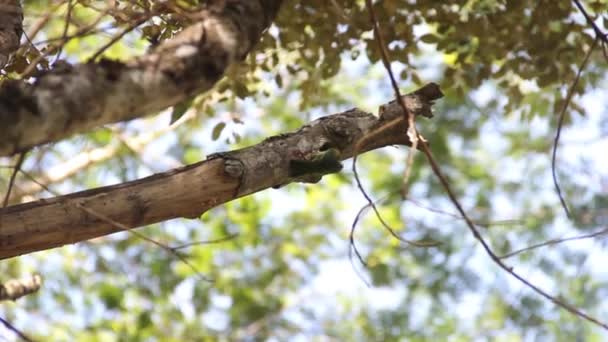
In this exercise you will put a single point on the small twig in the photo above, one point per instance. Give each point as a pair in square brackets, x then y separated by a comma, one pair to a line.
[33, 64]
[207, 242]
[351, 235]
[555, 242]
[378, 215]
[145, 238]
[35, 28]
[117, 37]
[83, 32]
[352, 247]
[599, 34]
[357, 149]
[11, 181]
[45, 187]
[68, 18]
[357, 272]
[456, 216]
[18, 332]
[560, 124]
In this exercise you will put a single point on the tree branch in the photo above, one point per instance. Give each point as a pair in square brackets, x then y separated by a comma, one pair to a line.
[76, 99]
[191, 190]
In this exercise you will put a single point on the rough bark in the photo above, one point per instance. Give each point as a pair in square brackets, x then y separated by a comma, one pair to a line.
[191, 190]
[78, 98]
[11, 20]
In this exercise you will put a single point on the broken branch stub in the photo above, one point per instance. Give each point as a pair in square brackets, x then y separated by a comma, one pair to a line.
[271, 163]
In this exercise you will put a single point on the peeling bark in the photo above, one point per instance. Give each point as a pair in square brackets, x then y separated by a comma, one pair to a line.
[78, 98]
[191, 190]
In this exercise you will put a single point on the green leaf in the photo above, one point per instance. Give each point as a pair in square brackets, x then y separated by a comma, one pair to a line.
[111, 295]
[217, 130]
[240, 90]
[429, 38]
[180, 109]
[279, 80]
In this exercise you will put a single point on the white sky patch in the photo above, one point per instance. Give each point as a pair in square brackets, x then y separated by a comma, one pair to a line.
[182, 298]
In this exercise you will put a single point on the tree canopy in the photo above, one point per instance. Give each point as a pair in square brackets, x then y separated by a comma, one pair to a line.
[99, 95]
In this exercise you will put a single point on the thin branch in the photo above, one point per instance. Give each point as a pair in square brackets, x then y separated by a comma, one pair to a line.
[18, 332]
[375, 209]
[456, 216]
[599, 34]
[82, 33]
[206, 242]
[42, 186]
[556, 241]
[560, 124]
[29, 71]
[13, 176]
[121, 226]
[119, 36]
[357, 149]
[351, 235]
[492, 255]
[68, 19]
[352, 247]
[37, 26]
[408, 116]
[471, 225]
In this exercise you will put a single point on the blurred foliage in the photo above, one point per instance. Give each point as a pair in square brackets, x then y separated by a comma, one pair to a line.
[504, 66]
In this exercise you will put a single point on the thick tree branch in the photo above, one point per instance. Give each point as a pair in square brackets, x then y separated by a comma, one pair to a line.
[11, 21]
[302, 156]
[76, 99]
